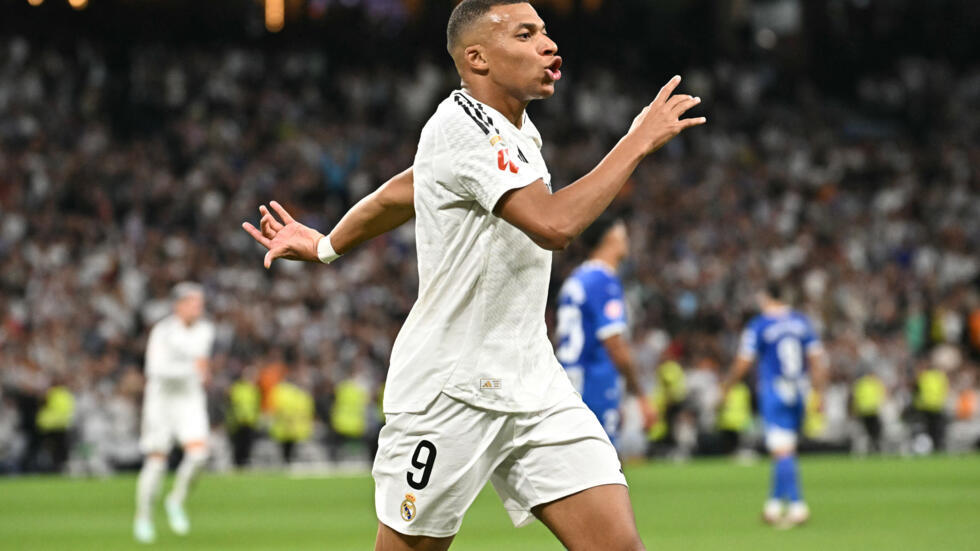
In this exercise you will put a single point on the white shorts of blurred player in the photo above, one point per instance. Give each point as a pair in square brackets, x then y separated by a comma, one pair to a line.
[431, 465]
[172, 415]
[780, 440]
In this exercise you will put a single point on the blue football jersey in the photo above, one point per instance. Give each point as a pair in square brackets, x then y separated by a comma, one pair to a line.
[780, 344]
[591, 309]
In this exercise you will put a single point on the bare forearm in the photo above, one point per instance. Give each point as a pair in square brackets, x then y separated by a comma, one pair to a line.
[553, 220]
[736, 374]
[819, 372]
[388, 207]
[622, 358]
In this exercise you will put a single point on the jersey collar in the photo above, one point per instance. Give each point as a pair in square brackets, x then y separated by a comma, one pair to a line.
[527, 127]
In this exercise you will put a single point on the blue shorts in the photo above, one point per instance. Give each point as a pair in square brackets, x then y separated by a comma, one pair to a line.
[608, 414]
[776, 413]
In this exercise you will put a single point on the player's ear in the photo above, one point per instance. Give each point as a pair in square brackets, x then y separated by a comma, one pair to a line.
[476, 59]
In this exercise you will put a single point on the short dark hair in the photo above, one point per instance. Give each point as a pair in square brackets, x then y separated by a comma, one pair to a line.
[777, 290]
[593, 234]
[466, 13]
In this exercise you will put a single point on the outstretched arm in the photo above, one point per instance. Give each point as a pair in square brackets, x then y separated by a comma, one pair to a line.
[553, 220]
[388, 207]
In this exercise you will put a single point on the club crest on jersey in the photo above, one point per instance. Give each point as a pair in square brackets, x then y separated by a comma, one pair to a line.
[408, 508]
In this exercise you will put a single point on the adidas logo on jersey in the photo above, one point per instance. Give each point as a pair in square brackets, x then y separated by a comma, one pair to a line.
[490, 384]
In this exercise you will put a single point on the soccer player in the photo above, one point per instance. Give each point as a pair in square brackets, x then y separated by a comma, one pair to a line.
[592, 323]
[789, 355]
[474, 392]
[174, 408]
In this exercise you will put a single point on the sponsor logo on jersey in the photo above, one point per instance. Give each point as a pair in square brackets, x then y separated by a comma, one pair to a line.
[614, 309]
[490, 384]
[408, 508]
[504, 162]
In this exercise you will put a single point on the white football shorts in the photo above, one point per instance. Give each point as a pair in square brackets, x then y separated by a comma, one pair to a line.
[780, 440]
[170, 415]
[431, 465]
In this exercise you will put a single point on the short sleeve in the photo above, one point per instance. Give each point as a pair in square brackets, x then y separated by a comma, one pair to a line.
[610, 308]
[749, 345]
[483, 165]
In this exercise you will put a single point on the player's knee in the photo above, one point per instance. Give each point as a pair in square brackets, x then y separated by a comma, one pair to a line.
[155, 460]
[196, 451]
[781, 453]
[197, 455]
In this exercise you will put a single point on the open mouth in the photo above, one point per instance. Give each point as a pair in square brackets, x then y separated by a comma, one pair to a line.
[554, 70]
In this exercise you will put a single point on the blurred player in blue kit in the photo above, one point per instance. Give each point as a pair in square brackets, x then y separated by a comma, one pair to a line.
[789, 354]
[592, 327]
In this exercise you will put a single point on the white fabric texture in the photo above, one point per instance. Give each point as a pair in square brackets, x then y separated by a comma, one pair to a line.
[174, 348]
[531, 459]
[779, 439]
[477, 330]
[192, 462]
[172, 412]
[148, 484]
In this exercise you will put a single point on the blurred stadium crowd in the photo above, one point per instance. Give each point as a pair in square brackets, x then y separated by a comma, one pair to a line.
[869, 206]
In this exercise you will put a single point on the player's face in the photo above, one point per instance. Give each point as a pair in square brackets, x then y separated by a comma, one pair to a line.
[190, 308]
[521, 57]
[620, 237]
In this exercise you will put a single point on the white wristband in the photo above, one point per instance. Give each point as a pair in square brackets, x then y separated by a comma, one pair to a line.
[324, 250]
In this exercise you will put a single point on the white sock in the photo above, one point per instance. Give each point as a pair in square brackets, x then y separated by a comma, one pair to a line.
[192, 462]
[148, 484]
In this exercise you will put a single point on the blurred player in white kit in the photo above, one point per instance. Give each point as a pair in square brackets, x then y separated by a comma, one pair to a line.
[174, 408]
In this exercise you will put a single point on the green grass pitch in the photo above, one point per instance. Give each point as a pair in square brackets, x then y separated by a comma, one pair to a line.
[888, 503]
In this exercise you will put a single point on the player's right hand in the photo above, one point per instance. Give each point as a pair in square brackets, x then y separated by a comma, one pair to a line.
[286, 239]
[660, 121]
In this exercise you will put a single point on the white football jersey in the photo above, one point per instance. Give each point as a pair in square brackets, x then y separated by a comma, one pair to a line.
[173, 349]
[477, 330]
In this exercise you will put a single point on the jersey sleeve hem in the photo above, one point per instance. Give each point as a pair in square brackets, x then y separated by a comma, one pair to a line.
[499, 193]
[609, 330]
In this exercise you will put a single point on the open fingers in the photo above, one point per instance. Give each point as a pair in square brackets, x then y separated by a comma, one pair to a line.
[269, 225]
[687, 123]
[286, 218]
[269, 218]
[667, 90]
[683, 105]
[674, 100]
[272, 255]
[257, 235]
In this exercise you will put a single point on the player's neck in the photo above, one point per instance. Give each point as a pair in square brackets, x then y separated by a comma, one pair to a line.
[775, 308]
[502, 102]
[609, 261]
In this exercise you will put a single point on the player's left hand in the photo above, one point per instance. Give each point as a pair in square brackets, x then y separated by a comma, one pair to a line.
[203, 370]
[649, 414]
[286, 239]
